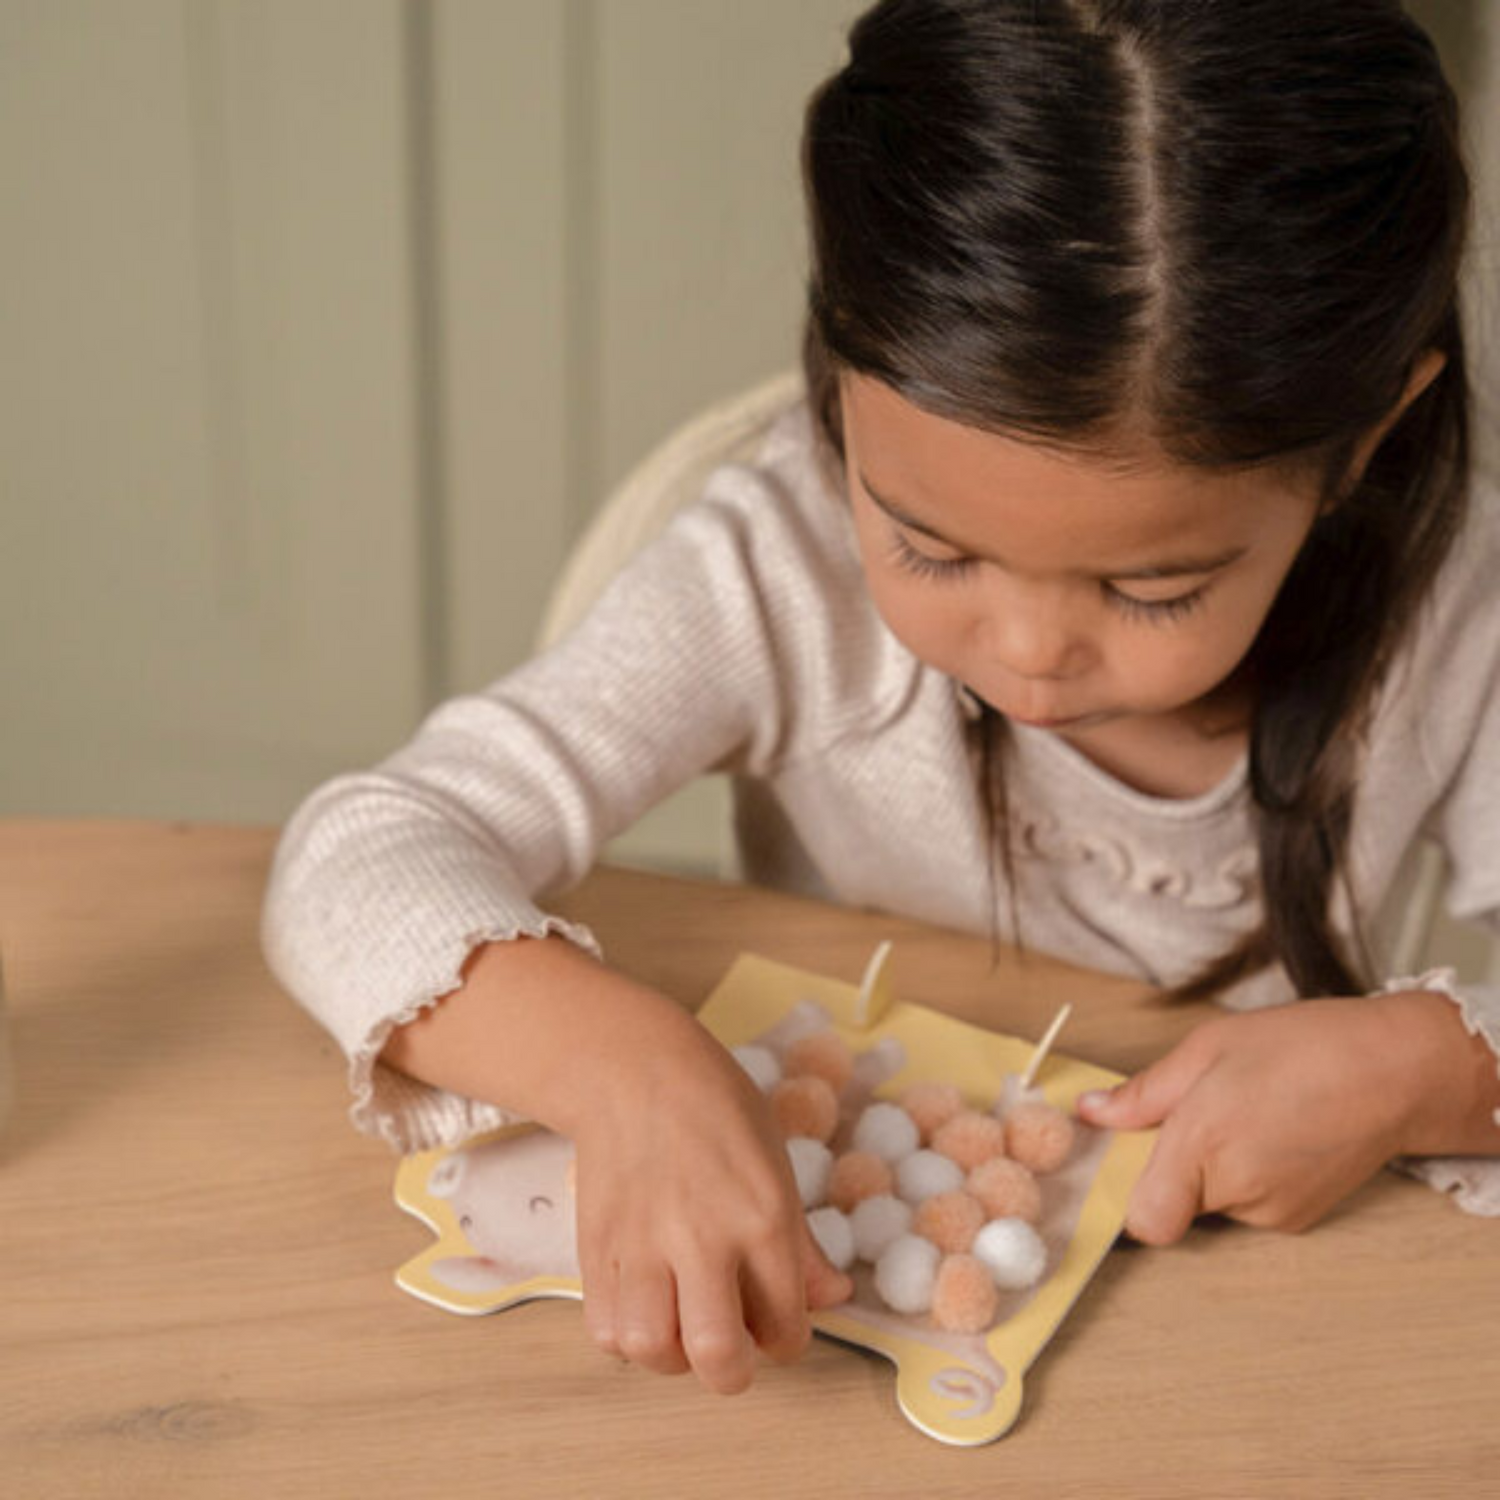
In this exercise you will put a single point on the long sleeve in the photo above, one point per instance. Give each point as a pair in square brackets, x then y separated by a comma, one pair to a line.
[385, 881]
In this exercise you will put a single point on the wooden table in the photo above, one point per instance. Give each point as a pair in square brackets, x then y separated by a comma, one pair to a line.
[196, 1253]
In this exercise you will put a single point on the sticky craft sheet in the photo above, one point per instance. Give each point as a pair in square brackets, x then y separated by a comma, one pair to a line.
[502, 1205]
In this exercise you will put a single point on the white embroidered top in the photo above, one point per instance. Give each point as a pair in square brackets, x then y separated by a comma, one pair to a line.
[743, 640]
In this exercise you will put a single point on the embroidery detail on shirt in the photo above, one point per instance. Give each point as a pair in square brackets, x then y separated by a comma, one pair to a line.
[1232, 883]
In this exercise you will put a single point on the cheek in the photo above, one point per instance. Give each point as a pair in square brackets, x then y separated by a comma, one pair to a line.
[929, 625]
[1166, 667]
[1156, 672]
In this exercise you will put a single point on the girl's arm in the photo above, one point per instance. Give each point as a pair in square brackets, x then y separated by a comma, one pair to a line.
[691, 1239]
[403, 913]
[1455, 1104]
[386, 880]
[1274, 1116]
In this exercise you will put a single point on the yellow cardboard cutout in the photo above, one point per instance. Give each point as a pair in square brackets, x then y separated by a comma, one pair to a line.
[961, 1389]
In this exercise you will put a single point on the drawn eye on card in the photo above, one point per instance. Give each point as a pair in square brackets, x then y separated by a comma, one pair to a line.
[936, 1165]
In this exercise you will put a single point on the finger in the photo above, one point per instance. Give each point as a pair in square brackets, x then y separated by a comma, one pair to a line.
[1168, 1195]
[1152, 1094]
[774, 1300]
[712, 1318]
[826, 1285]
[597, 1268]
[600, 1275]
[646, 1319]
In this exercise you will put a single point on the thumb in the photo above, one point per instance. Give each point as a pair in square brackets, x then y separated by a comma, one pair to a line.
[1147, 1098]
[826, 1285]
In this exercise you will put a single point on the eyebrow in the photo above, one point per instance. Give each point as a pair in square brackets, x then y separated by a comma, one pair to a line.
[1177, 567]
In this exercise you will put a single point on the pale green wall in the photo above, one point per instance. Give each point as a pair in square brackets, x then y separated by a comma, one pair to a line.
[329, 323]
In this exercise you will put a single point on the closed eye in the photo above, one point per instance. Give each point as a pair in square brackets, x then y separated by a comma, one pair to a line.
[1156, 611]
[949, 569]
[540, 1201]
[920, 565]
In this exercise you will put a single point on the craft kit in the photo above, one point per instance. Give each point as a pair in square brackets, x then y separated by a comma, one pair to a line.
[939, 1164]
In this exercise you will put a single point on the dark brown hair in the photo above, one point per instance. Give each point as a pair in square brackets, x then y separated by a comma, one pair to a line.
[1233, 228]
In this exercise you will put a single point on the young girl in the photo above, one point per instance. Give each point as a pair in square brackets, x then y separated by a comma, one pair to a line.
[1120, 585]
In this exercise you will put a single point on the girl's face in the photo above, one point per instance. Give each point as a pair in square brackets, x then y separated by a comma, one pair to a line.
[1065, 591]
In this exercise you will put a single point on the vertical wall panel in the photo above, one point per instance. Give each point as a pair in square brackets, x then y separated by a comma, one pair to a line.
[1467, 34]
[206, 595]
[504, 237]
[699, 253]
[701, 247]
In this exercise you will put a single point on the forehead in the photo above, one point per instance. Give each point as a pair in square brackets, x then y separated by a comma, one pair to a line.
[1044, 508]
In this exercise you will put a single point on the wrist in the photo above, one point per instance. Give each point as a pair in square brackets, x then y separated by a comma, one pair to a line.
[644, 1052]
[1449, 1078]
[542, 1029]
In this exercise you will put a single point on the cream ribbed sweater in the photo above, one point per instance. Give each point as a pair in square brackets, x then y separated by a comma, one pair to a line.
[742, 640]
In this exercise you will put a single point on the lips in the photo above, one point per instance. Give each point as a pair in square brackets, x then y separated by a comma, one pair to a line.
[1046, 723]
[1050, 721]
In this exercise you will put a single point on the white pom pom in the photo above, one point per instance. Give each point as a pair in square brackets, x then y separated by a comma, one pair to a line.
[876, 1222]
[888, 1131]
[1013, 1251]
[906, 1272]
[875, 1064]
[925, 1174]
[803, 1019]
[835, 1238]
[760, 1063]
[812, 1161]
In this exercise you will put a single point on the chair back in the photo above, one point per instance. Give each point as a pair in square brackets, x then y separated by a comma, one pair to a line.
[669, 477]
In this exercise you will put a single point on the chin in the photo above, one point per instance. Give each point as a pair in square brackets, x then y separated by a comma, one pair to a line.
[1068, 721]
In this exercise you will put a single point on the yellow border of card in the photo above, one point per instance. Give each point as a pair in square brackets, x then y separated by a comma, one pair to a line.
[938, 1394]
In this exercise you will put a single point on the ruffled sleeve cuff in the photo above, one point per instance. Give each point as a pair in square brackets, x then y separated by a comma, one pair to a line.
[413, 1116]
[1472, 1181]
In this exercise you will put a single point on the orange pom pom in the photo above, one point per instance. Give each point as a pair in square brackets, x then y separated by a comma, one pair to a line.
[964, 1298]
[1006, 1189]
[805, 1106]
[823, 1055]
[970, 1138]
[949, 1220]
[1038, 1136]
[931, 1106]
[857, 1175]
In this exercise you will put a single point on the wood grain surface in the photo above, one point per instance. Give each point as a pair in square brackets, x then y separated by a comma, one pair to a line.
[196, 1252]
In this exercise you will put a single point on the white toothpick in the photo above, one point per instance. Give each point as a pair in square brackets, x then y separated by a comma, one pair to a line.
[1044, 1046]
[875, 990]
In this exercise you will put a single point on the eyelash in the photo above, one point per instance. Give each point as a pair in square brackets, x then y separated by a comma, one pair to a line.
[1156, 611]
[919, 565]
[1149, 611]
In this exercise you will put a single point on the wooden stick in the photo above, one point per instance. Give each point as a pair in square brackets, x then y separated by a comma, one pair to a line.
[875, 991]
[1044, 1046]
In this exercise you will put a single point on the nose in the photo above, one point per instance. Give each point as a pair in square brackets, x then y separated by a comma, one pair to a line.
[1031, 634]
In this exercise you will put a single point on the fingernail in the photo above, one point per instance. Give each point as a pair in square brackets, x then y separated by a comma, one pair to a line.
[1094, 1101]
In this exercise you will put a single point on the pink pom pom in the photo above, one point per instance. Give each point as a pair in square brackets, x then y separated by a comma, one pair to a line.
[1006, 1189]
[970, 1138]
[950, 1221]
[822, 1055]
[1038, 1136]
[931, 1106]
[805, 1106]
[857, 1175]
[964, 1298]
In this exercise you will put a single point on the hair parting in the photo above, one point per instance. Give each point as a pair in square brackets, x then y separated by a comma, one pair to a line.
[1231, 230]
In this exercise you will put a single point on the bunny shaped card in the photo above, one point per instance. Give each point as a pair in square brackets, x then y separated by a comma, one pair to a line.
[960, 1306]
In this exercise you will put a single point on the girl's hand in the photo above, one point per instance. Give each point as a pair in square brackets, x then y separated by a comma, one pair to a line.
[1272, 1117]
[691, 1237]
